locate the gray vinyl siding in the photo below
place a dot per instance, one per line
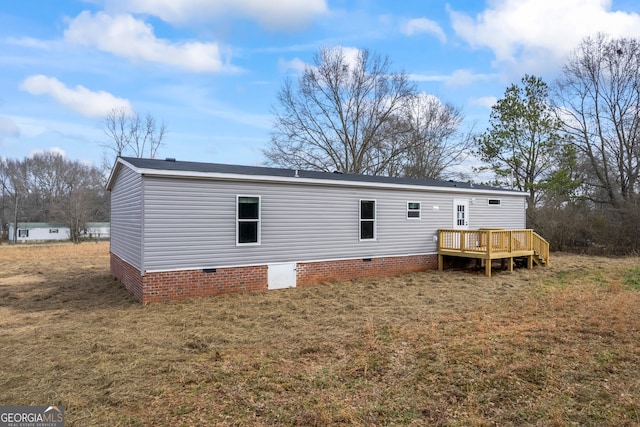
(511, 213)
(126, 217)
(191, 223)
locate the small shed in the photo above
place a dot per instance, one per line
(184, 229)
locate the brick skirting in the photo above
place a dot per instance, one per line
(175, 285)
(311, 273)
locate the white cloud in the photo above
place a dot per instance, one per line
(457, 78)
(281, 14)
(423, 25)
(350, 55)
(296, 64)
(484, 101)
(428, 77)
(79, 99)
(467, 77)
(8, 128)
(54, 150)
(126, 36)
(541, 32)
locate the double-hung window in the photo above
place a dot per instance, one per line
(367, 219)
(248, 220)
(413, 210)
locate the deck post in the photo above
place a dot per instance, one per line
(487, 267)
(440, 262)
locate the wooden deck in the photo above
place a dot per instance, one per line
(490, 244)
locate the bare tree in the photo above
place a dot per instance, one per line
(335, 118)
(432, 142)
(599, 95)
(131, 135)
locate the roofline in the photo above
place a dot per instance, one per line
(222, 176)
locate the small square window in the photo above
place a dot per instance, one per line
(413, 210)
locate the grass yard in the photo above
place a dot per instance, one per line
(555, 346)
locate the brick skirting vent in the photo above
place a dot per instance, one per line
(180, 284)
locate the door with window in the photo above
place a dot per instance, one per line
(460, 220)
(460, 214)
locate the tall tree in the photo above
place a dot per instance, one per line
(432, 143)
(599, 94)
(524, 142)
(131, 135)
(339, 115)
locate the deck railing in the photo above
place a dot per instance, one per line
(493, 243)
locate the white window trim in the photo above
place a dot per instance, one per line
(375, 220)
(259, 221)
(419, 210)
(494, 204)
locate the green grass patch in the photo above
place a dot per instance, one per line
(631, 279)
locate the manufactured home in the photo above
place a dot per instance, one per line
(54, 231)
(39, 232)
(184, 229)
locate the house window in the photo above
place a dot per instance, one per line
(53, 231)
(367, 219)
(23, 232)
(413, 210)
(248, 220)
(495, 202)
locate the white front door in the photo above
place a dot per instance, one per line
(460, 214)
(281, 276)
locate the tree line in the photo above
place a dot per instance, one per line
(47, 187)
(573, 145)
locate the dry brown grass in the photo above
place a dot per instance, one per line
(549, 346)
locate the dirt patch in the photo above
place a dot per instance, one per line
(547, 346)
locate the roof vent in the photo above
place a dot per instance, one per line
(170, 159)
(296, 174)
(337, 172)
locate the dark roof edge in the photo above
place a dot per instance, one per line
(171, 167)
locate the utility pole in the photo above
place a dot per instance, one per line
(15, 221)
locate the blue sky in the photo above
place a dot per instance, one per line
(211, 69)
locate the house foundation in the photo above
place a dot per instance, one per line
(180, 284)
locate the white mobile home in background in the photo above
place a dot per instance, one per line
(53, 231)
(39, 231)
